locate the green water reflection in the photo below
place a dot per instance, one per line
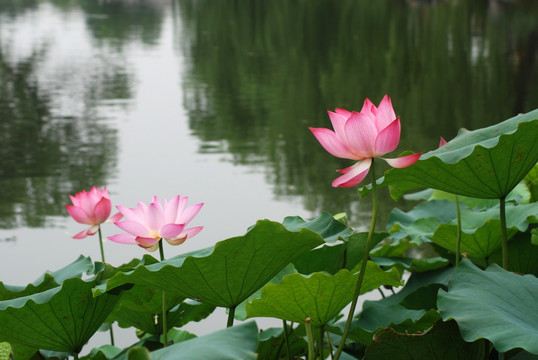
(121, 22)
(264, 71)
(258, 73)
(43, 157)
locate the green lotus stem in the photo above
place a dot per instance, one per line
(330, 345)
(103, 259)
(381, 292)
(161, 249)
(165, 321)
(101, 244)
(111, 335)
(502, 211)
(288, 352)
(310, 338)
(458, 236)
(164, 310)
(363, 264)
(320, 345)
(231, 314)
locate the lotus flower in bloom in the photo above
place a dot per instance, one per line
(147, 225)
(91, 208)
(362, 136)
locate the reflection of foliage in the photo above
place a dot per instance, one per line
(116, 85)
(119, 20)
(264, 71)
(42, 158)
(12, 8)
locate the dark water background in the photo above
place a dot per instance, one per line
(213, 99)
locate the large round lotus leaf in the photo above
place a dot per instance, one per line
(480, 240)
(60, 319)
(493, 304)
(141, 307)
(319, 296)
(272, 343)
(407, 306)
(480, 229)
(48, 280)
(103, 352)
(229, 273)
(442, 341)
(332, 258)
(522, 254)
(241, 309)
(237, 342)
(325, 224)
(485, 163)
(412, 265)
(531, 180)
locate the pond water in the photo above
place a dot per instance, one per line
(213, 99)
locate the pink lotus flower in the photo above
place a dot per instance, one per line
(372, 132)
(91, 208)
(147, 225)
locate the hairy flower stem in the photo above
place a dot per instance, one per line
(101, 244)
(231, 314)
(288, 352)
(164, 310)
(103, 259)
(502, 210)
(458, 239)
(310, 338)
(363, 264)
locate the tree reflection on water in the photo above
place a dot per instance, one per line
(257, 75)
(261, 72)
(44, 157)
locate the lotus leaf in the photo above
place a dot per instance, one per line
(506, 312)
(485, 163)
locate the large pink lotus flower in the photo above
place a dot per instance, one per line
(92, 208)
(372, 132)
(147, 225)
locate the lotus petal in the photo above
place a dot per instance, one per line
(387, 140)
(353, 175)
(385, 114)
(403, 161)
(330, 142)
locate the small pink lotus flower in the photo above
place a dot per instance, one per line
(147, 225)
(92, 208)
(372, 132)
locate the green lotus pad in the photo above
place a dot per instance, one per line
(237, 342)
(319, 296)
(60, 319)
(228, 273)
(485, 163)
(483, 305)
(442, 341)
